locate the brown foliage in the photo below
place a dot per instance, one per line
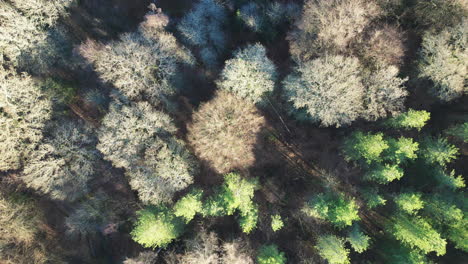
(329, 26)
(381, 45)
(224, 131)
(24, 236)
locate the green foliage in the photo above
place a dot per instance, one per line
(409, 120)
(60, 90)
(332, 249)
(396, 253)
(373, 198)
(269, 254)
(384, 174)
(459, 131)
(442, 212)
(276, 222)
(365, 147)
(238, 192)
(401, 150)
(358, 240)
(416, 232)
(248, 219)
(450, 180)
(409, 202)
(458, 234)
(250, 74)
(437, 151)
(235, 194)
(448, 217)
(156, 227)
(335, 208)
(189, 205)
(443, 60)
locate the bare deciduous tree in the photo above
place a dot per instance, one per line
(64, 163)
(139, 139)
(24, 109)
(224, 131)
(330, 25)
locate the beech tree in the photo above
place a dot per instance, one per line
(385, 93)
(203, 248)
(237, 252)
(326, 90)
(156, 227)
(443, 60)
(332, 249)
(24, 110)
(143, 65)
(207, 248)
(250, 74)
(436, 15)
(269, 254)
(31, 38)
(330, 26)
(335, 208)
(22, 239)
(141, 140)
(143, 257)
(43, 13)
(202, 27)
(380, 46)
(268, 17)
(335, 91)
(224, 130)
(63, 163)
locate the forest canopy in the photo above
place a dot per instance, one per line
(233, 131)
